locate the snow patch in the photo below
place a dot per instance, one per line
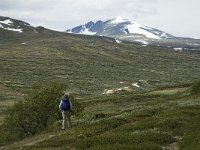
(12, 29)
(7, 21)
(196, 44)
(108, 91)
(163, 35)
(24, 43)
(178, 49)
(136, 85)
(86, 31)
(112, 91)
(70, 31)
(123, 89)
(141, 41)
(137, 29)
(118, 41)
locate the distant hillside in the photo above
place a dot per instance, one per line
(11, 28)
(10, 24)
(92, 64)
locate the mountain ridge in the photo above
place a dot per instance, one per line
(118, 29)
(124, 30)
(118, 26)
(11, 24)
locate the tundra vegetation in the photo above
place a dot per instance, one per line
(155, 103)
(126, 120)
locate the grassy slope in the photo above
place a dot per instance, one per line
(91, 64)
(162, 119)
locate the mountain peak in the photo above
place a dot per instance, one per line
(118, 19)
(10, 24)
(119, 27)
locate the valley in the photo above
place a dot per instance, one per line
(134, 96)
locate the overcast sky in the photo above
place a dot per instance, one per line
(177, 17)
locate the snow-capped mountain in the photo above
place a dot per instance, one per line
(117, 27)
(125, 30)
(90, 28)
(10, 24)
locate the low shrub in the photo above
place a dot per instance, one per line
(190, 141)
(143, 146)
(35, 113)
(99, 115)
(113, 138)
(195, 87)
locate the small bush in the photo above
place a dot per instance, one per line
(195, 87)
(126, 139)
(99, 115)
(35, 113)
(190, 141)
(175, 125)
(103, 126)
(143, 146)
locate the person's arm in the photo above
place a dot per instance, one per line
(60, 105)
(70, 103)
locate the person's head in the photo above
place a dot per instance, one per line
(66, 95)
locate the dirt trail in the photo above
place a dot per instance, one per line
(173, 146)
(32, 140)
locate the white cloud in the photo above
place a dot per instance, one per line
(174, 16)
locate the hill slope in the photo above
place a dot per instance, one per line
(125, 119)
(155, 121)
(90, 63)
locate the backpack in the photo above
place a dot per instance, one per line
(65, 104)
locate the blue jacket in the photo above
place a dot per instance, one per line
(64, 100)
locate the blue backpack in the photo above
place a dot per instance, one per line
(65, 104)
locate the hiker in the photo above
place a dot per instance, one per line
(65, 107)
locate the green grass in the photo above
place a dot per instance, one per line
(157, 122)
(139, 119)
(91, 64)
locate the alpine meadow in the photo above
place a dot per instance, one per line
(125, 95)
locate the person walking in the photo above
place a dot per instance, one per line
(65, 107)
